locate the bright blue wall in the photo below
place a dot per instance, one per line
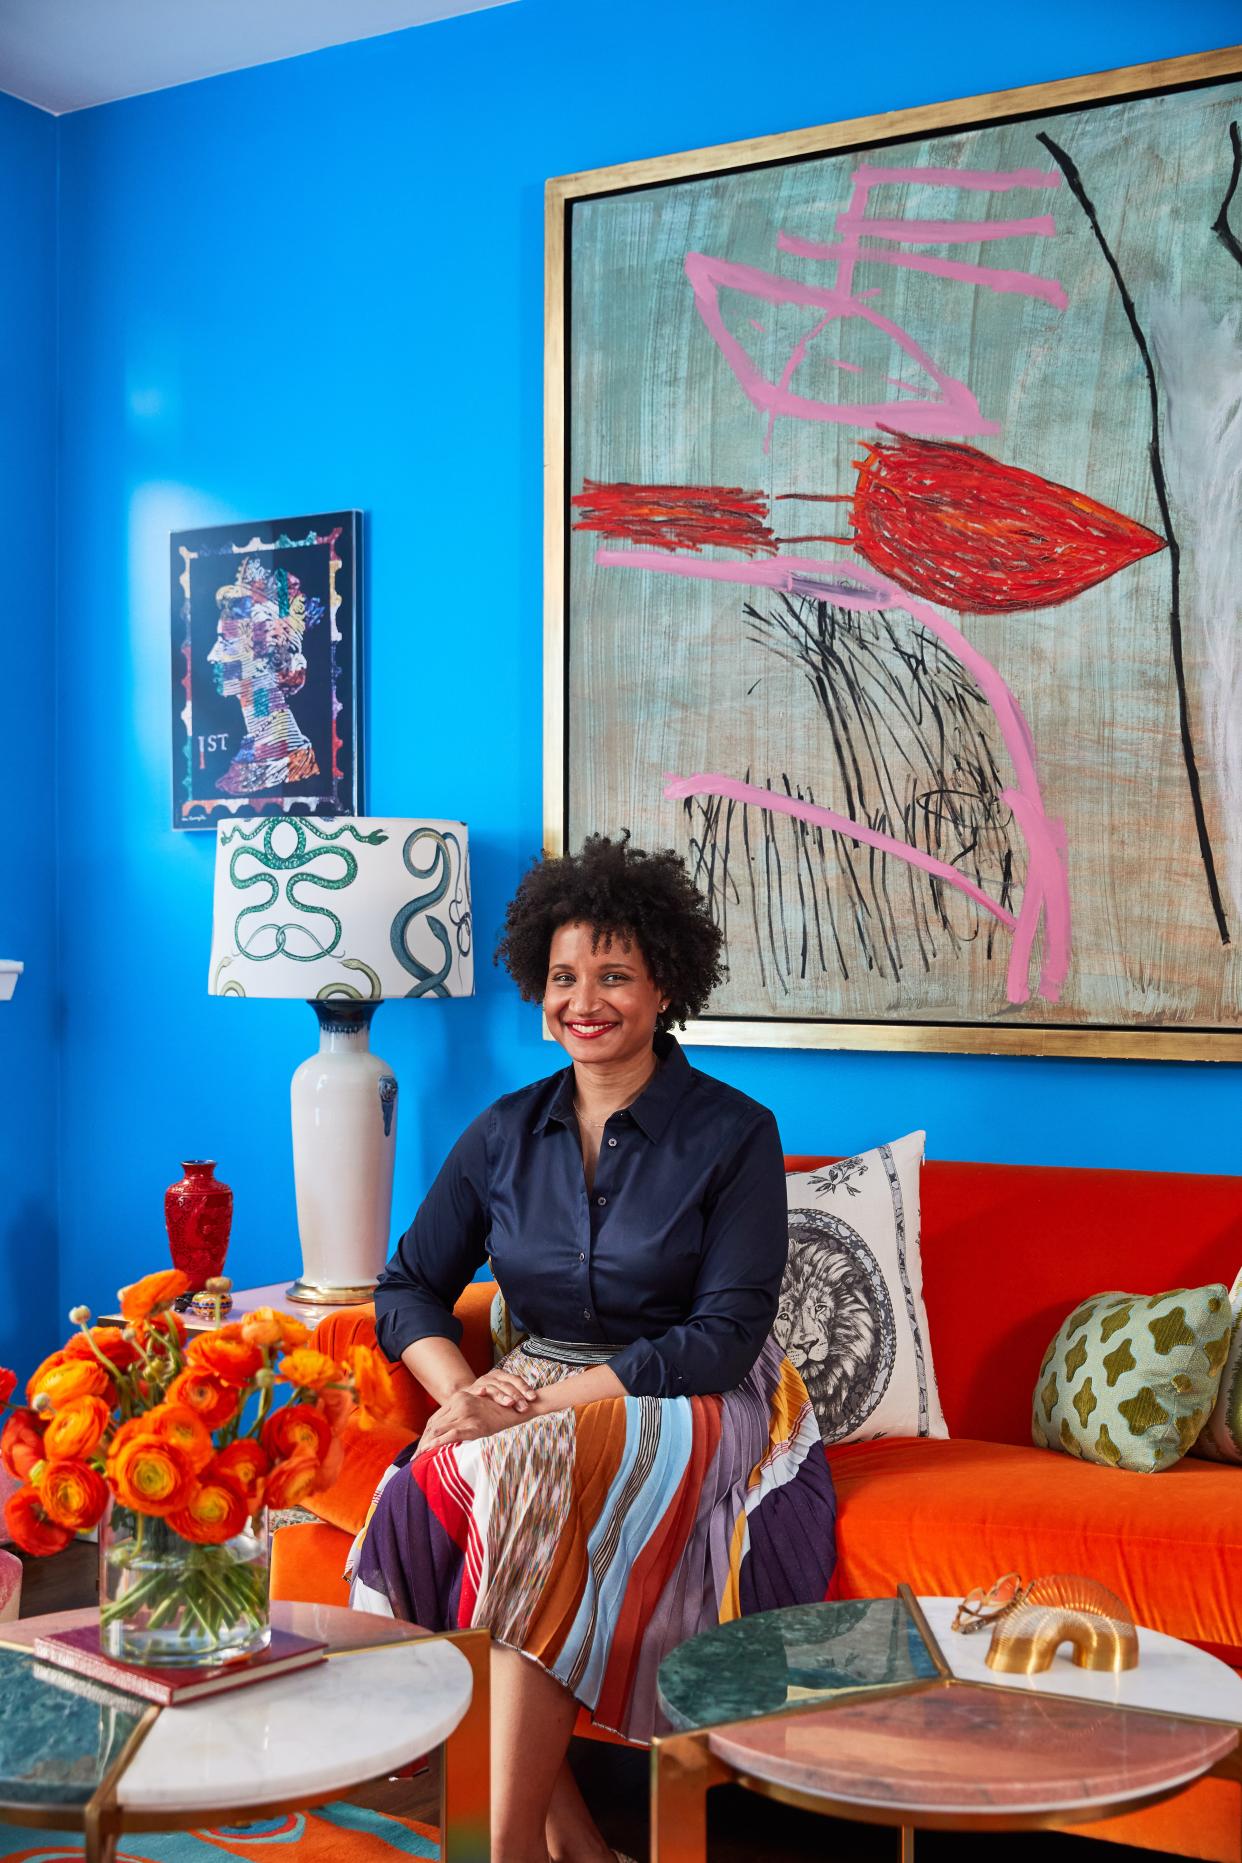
(28, 1023)
(318, 284)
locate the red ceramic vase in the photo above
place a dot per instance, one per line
(199, 1214)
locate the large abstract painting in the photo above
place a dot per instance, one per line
(266, 680)
(895, 561)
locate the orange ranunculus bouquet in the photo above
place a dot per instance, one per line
(175, 1444)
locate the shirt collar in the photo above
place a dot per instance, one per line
(653, 1108)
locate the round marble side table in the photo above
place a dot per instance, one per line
(387, 1694)
(857, 1710)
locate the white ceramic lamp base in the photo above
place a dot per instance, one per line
(344, 1104)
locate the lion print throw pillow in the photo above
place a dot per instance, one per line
(851, 1311)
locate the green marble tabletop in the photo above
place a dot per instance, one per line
(791, 1658)
(59, 1734)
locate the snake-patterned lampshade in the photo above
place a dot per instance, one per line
(358, 907)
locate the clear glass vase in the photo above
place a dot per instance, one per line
(163, 1599)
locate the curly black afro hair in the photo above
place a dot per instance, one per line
(627, 895)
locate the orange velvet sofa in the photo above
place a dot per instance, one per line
(1007, 1251)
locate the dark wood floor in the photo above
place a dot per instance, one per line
(741, 1829)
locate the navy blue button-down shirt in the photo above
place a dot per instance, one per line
(676, 1253)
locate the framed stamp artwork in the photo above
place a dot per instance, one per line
(893, 568)
(266, 669)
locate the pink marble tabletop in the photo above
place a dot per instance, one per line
(962, 1749)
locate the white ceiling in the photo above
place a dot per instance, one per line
(69, 54)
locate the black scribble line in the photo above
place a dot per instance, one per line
(766, 823)
(908, 738)
(781, 919)
(708, 857)
(1156, 460)
(727, 885)
(805, 832)
(806, 928)
(1005, 898)
(828, 891)
(1220, 225)
(754, 895)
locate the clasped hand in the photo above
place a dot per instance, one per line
(494, 1402)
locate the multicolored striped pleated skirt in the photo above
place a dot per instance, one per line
(596, 1540)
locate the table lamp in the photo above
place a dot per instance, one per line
(342, 912)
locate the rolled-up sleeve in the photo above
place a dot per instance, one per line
(439, 1253)
(745, 1242)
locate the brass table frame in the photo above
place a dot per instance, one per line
(465, 1777)
(684, 1770)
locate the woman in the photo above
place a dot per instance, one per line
(646, 1464)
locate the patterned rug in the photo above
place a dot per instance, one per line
(335, 1833)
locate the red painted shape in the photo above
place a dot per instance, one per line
(678, 517)
(973, 534)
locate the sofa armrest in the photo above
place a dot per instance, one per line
(308, 1564)
(351, 1326)
(368, 1452)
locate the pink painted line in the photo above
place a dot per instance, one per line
(782, 572)
(995, 278)
(946, 232)
(797, 356)
(1047, 881)
(982, 180)
(954, 411)
(678, 787)
(1045, 895)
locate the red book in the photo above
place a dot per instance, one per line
(167, 1685)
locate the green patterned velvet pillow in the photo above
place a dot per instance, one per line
(1221, 1438)
(1130, 1381)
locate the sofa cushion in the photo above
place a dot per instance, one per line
(1130, 1381)
(946, 1515)
(851, 1314)
(369, 1452)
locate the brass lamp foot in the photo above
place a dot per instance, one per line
(309, 1294)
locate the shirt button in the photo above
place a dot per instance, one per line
(582, 1257)
(611, 1143)
(601, 1201)
(586, 1313)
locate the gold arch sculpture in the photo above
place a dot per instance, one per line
(1058, 1610)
